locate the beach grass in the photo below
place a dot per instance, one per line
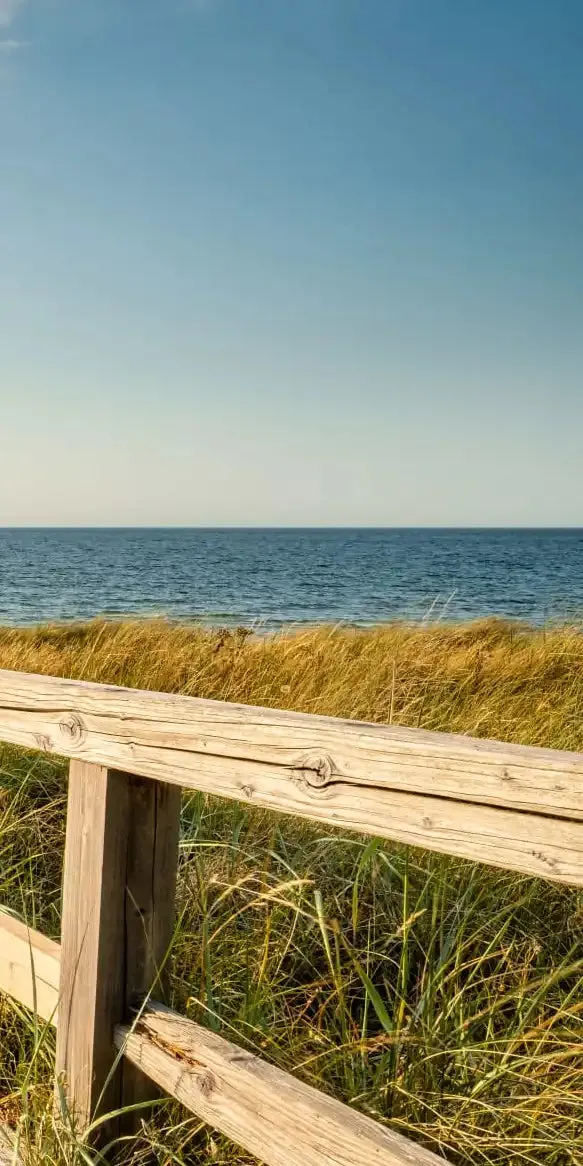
(440, 997)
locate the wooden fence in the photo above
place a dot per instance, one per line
(131, 753)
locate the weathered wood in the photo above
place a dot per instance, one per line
(152, 863)
(29, 967)
(92, 986)
(151, 733)
(507, 805)
(268, 1112)
(118, 912)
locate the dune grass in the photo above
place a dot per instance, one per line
(442, 998)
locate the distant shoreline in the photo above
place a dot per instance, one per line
(261, 629)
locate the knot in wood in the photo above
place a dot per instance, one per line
(73, 729)
(206, 1083)
(320, 769)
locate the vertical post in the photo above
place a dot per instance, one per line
(117, 920)
(152, 863)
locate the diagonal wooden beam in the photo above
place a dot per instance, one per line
(277, 1118)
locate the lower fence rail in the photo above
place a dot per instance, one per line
(279, 1119)
(267, 1111)
(29, 967)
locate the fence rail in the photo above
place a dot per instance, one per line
(29, 967)
(511, 806)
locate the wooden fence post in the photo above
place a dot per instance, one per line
(118, 915)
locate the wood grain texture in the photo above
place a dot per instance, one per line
(92, 984)
(507, 805)
(151, 869)
(112, 725)
(268, 1112)
(29, 967)
(121, 857)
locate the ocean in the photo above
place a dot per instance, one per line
(269, 578)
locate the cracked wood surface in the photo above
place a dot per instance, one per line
(267, 1111)
(508, 805)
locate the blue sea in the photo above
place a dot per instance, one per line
(269, 578)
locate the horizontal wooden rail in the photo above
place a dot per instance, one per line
(267, 1111)
(29, 967)
(511, 806)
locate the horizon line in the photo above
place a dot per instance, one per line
(286, 526)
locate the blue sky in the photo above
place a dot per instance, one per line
(291, 262)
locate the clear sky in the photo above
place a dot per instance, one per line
(291, 262)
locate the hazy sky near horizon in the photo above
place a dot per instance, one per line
(291, 262)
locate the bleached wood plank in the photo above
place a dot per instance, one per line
(507, 805)
(267, 1111)
(133, 729)
(29, 967)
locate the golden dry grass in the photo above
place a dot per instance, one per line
(488, 679)
(443, 998)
